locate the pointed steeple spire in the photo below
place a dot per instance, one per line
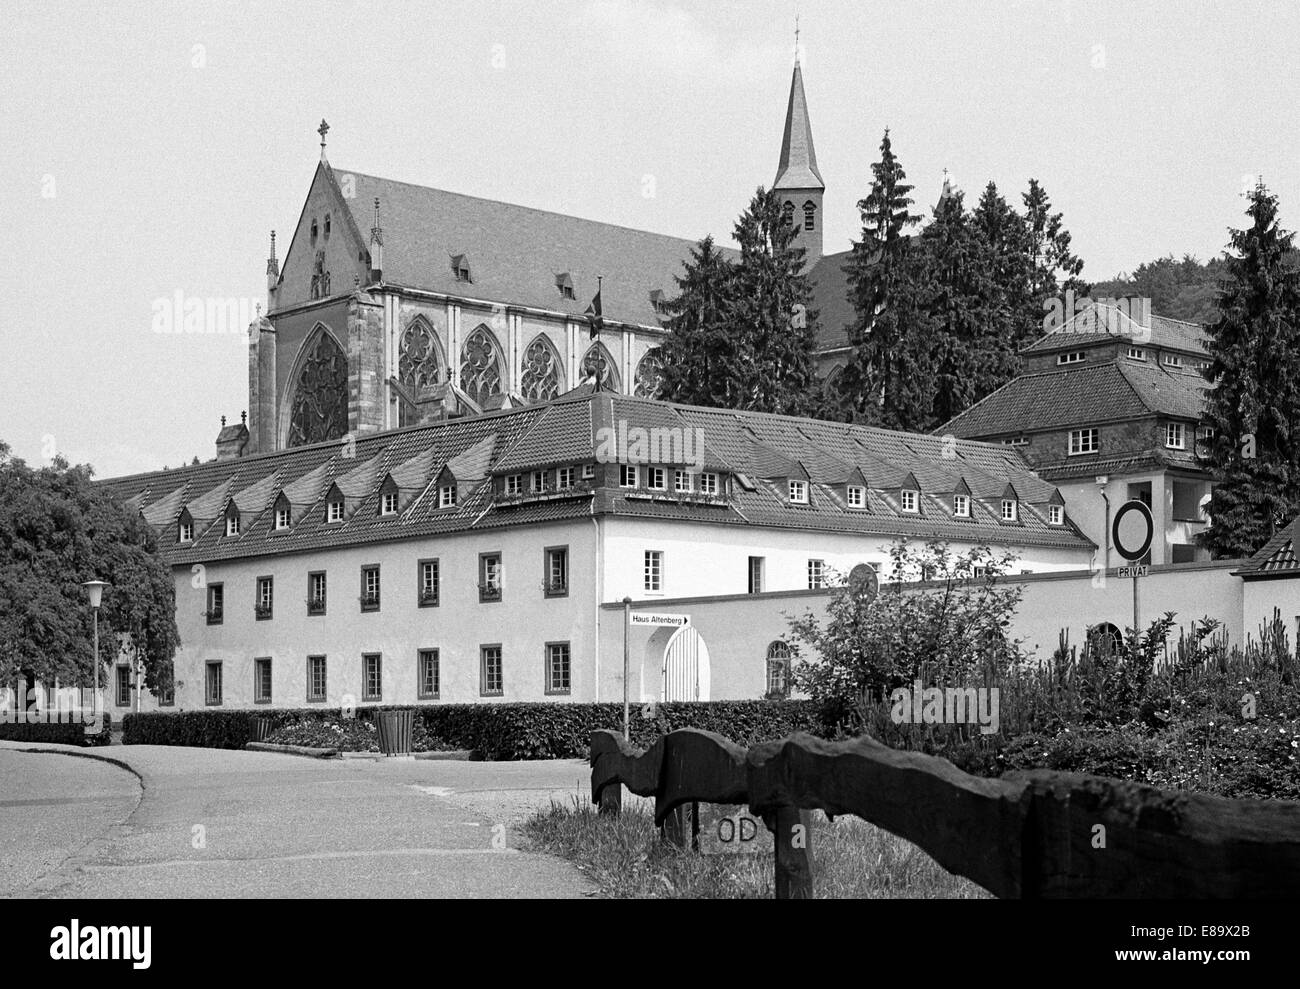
(798, 165)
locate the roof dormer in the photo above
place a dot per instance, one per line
(564, 282)
(460, 267)
(232, 518)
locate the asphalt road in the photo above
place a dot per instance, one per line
(214, 823)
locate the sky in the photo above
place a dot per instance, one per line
(150, 148)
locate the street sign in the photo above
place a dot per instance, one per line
(1132, 530)
(1132, 571)
(658, 618)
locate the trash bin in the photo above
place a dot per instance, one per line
(261, 728)
(395, 732)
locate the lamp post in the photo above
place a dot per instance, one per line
(94, 593)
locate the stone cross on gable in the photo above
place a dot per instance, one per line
(322, 130)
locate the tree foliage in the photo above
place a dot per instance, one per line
(1254, 403)
(57, 529)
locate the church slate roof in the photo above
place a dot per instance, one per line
(566, 430)
(517, 251)
(1080, 395)
(797, 168)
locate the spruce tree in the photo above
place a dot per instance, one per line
(771, 314)
(1003, 230)
(1054, 269)
(876, 385)
(701, 361)
(1254, 402)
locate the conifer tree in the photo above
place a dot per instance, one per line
(1054, 269)
(1003, 230)
(701, 361)
(1254, 402)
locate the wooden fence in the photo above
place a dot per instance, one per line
(1038, 834)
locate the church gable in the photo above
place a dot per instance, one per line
(327, 250)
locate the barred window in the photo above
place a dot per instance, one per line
(558, 671)
(491, 675)
(427, 665)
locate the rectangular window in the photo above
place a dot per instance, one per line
(265, 598)
(1204, 434)
(1174, 435)
(1074, 357)
(910, 500)
(212, 684)
(1015, 441)
(961, 506)
(370, 588)
(315, 678)
(558, 671)
(216, 603)
(1137, 354)
(1055, 514)
(588, 472)
(683, 480)
(816, 574)
(489, 577)
(654, 570)
(232, 525)
(1010, 510)
(491, 676)
(187, 532)
(799, 492)
(316, 592)
(372, 677)
(756, 566)
(515, 485)
(261, 681)
(123, 686)
(563, 478)
(447, 496)
(658, 479)
(538, 480)
(388, 503)
(857, 496)
(428, 675)
(627, 476)
(282, 518)
(335, 511)
(1173, 360)
(556, 564)
(709, 484)
(1083, 441)
(428, 579)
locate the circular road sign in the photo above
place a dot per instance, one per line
(1132, 530)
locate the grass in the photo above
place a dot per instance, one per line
(626, 859)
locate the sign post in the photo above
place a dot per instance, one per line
(1132, 531)
(627, 624)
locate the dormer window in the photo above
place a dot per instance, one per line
(185, 532)
(460, 267)
(1073, 357)
(1010, 510)
(857, 496)
(1137, 354)
(658, 479)
(565, 284)
(1172, 360)
(961, 506)
(659, 301)
(910, 500)
(627, 476)
(798, 492)
(447, 496)
(810, 215)
(282, 517)
(388, 503)
(588, 472)
(683, 480)
(563, 478)
(1174, 435)
(334, 510)
(538, 481)
(709, 484)
(515, 485)
(1056, 514)
(232, 524)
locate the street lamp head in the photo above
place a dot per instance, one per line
(94, 591)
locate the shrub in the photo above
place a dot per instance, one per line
(62, 733)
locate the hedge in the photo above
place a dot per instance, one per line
(501, 731)
(61, 732)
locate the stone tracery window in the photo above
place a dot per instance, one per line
(418, 365)
(649, 374)
(541, 373)
(601, 365)
(320, 400)
(480, 371)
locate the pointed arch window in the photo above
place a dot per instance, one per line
(787, 213)
(320, 399)
(649, 374)
(600, 365)
(480, 369)
(810, 215)
(541, 375)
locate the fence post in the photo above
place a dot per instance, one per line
(792, 838)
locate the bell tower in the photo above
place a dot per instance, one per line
(798, 182)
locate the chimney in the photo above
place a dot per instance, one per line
(232, 440)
